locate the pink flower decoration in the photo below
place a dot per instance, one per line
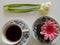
(49, 30)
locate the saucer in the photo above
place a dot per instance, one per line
(26, 35)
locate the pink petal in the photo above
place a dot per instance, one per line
(45, 37)
(46, 24)
(46, 34)
(44, 31)
(55, 33)
(50, 37)
(49, 22)
(55, 25)
(41, 33)
(57, 29)
(44, 27)
(54, 22)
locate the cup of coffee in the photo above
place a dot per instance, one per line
(12, 33)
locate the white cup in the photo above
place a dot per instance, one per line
(4, 29)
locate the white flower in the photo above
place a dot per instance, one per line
(45, 8)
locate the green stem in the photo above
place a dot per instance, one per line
(18, 5)
(10, 8)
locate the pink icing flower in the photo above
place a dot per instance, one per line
(49, 30)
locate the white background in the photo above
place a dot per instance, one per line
(29, 17)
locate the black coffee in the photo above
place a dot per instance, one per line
(13, 33)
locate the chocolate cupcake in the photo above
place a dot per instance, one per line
(46, 29)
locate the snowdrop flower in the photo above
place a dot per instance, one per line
(45, 8)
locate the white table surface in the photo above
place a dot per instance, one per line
(30, 17)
